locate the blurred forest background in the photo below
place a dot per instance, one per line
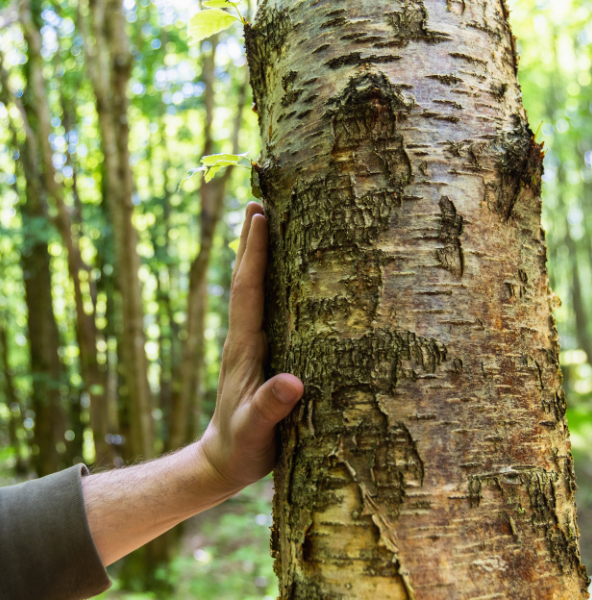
(115, 272)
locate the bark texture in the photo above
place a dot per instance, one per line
(430, 457)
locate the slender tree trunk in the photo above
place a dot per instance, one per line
(187, 403)
(11, 399)
(578, 302)
(109, 67)
(169, 331)
(46, 367)
(429, 458)
(94, 381)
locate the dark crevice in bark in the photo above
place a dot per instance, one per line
(446, 79)
(456, 6)
(451, 228)
(520, 169)
(356, 58)
(498, 90)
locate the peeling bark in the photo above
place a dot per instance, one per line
(429, 458)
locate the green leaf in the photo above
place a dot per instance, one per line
(225, 160)
(211, 172)
(214, 162)
(234, 245)
(220, 3)
(208, 22)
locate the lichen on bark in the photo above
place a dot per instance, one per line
(407, 288)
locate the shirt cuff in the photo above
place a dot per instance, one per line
(46, 548)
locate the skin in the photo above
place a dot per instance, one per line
(126, 508)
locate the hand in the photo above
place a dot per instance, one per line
(240, 441)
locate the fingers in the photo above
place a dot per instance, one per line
(252, 209)
(273, 401)
(246, 302)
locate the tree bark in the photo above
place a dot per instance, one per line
(109, 66)
(430, 457)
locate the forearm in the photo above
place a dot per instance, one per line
(128, 507)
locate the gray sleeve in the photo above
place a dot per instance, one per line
(46, 549)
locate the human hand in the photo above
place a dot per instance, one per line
(240, 441)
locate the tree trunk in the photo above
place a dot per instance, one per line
(94, 381)
(15, 418)
(429, 458)
(109, 66)
(578, 302)
(44, 341)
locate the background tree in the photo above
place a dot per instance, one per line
(430, 457)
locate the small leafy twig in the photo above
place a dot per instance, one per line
(213, 163)
(208, 22)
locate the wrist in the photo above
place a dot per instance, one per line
(210, 476)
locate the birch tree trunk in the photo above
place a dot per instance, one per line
(430, 457)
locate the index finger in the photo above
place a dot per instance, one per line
(253, 208)
(247, 296)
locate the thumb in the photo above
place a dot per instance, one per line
(275, 399)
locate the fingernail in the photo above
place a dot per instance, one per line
(284, 392)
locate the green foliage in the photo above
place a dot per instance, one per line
(209, 22)
(213, 163)
(221, 3)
